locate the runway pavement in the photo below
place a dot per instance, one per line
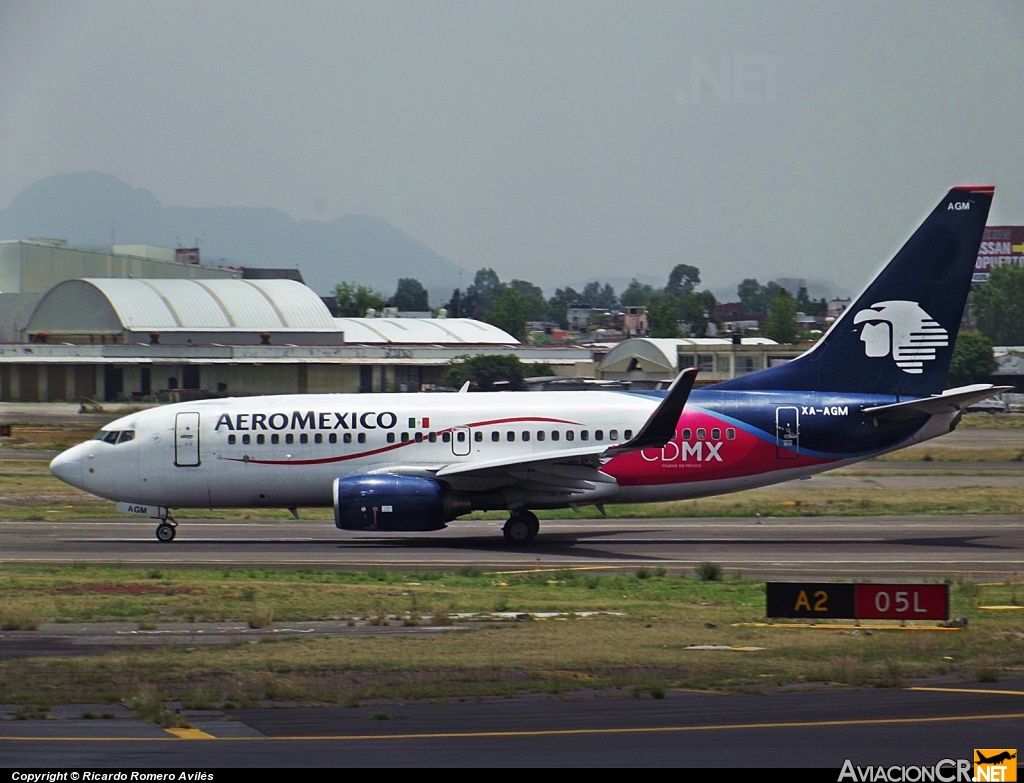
(898, 547)
(901, 726)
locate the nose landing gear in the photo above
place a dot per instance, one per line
(166, 530)
(521, 528)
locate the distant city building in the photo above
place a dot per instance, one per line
(578, 315)
(836, 307)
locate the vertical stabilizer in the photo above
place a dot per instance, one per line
(897, 338)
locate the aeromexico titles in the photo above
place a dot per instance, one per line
(413, 462)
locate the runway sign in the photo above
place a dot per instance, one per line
(857, 601)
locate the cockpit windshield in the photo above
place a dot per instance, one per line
(115, 436)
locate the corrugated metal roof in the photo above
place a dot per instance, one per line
(225, 306)
(422, 330)
(137, 305)
(191, 304)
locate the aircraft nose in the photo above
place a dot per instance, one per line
(67, 466)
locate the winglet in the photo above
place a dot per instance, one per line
(660, 428)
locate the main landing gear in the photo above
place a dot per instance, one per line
(166, 530)
(521, 528)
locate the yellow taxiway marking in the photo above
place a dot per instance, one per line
(966, 690)
(190, 734)
(554, 732)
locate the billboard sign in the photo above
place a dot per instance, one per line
(999, 245)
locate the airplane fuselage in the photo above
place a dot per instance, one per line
(286, 451)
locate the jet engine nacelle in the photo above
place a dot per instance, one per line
(394, 503)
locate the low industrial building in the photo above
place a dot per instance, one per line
(115, 339)
(30, 267)
(645, 361)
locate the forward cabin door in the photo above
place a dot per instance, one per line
(186, 440)
(787, 432)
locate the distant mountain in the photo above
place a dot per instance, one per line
(85, 208)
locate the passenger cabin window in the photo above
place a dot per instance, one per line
(510, 436)
(391, 437)
(405, 437)
(419, 437)
(730, 433)
(460, 437)
(231, 440)
(303, 438)
(333, 437)
(701, 433)
(687, 433)
(432, 437)
(526, 435)
(495, 436)
(554, 435)
(584, 435)
(246, 440)
(613, 434)
(598, 434)
(570, 435)
(289, 438)
(361, 437)
(540, 435)
(261, 439)
(627, 434)
(318, 438)
(446, 437)
(275, 438)
(716, 434)
(478, 436)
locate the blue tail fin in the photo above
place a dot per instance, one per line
(898, 337)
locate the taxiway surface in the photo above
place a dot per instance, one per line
(905, 726)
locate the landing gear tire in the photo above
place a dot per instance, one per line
(165, 532)
(521, 528)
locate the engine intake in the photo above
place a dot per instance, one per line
(394, 503)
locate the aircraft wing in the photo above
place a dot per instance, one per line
(949, 401)
(577, 471)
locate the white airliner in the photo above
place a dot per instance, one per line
(414, 462)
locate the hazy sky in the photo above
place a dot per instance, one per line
(553, 141)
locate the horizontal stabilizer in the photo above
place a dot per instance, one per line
(947, 402)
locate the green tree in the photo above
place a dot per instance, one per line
(411, 296)
(485, 372)
(663, 318)
(601, 297)
(534, 297)
(973, 360)
(510, 311)
(637, 294)
(999, 305)
(480, 296)
(781, 325)
(682, 279)
(695, 310)
(354, 300)
(756, 299)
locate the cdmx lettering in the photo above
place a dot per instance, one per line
(673, 451)
(308, 420)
